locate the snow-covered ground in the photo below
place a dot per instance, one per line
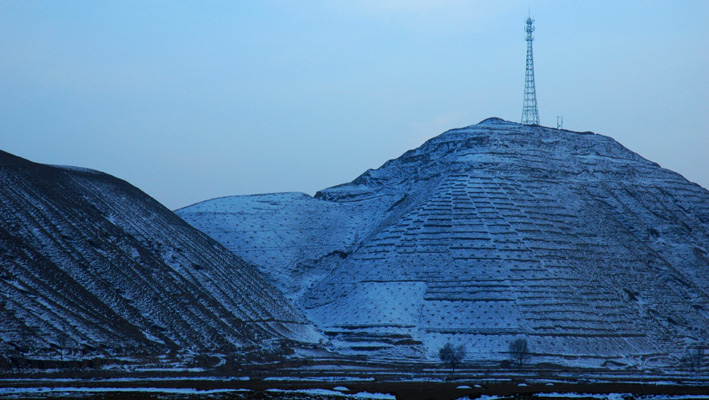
(90, 392)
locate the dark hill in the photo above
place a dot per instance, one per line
(92, 266)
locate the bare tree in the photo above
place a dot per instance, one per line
(62, 341)
(694, 359)
(698, 358)
(519, 351)
(451, 356)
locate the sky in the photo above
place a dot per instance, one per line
(194, 100)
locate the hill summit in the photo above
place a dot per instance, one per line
(487, 234)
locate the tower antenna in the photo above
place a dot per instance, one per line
(530, 114)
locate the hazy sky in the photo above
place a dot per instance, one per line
(195, 100)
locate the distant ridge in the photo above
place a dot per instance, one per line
(488, 233)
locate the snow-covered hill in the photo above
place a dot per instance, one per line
(91, 266)
(485, 234)
(287, 234)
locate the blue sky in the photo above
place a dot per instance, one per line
(195, 100)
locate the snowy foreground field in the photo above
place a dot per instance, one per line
(358, 386)
(339, 392)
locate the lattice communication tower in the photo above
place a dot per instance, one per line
(530, 115)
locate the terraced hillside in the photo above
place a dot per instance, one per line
(486, 234)
(288, 234)
(91, 266)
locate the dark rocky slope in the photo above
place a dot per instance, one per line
(92, 266)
